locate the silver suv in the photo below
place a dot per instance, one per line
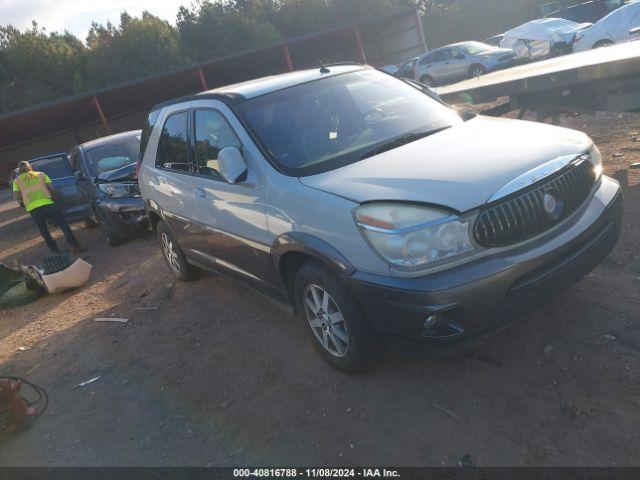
(373, 209)
(460, 61)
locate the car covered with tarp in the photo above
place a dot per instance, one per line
(543, 38)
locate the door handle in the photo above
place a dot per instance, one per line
(200, 193)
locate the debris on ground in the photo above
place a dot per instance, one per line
(69, 276)
(111, 319)
(16, 288)
(548, 349)
(610, 337)
(634, 166)
(88, 382)
(17, 411)
(578, 413)
(447, 411)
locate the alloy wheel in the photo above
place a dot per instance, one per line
(170, 252)
(326, 320)
(477, 72)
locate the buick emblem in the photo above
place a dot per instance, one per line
(553, 207)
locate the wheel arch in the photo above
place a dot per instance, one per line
(602, 42)
(291, 251)
(154, 213)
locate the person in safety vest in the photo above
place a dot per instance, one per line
(33, 190)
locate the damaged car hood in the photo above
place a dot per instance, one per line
(128, 172)
(460, 168)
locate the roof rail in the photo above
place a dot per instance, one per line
(341, 64)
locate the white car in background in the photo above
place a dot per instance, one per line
(619, 26)
(543, 38)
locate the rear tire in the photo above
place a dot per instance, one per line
(336, 324)
(427, 80)
(173, 256)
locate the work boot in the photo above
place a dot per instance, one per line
(77, 248)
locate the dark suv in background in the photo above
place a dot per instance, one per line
(106, 171)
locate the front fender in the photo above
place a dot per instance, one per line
(312, 246)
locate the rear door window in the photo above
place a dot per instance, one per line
(173, 148)
(152, 118)
(56, 167)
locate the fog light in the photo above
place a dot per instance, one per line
(431, 322)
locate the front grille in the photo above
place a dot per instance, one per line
(523, 216)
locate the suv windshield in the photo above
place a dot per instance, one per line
(322, 125)
(114, 155)
(474, 48)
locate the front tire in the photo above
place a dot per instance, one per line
(477, 71)
(173, 256)
(336, 323)
(111, 238)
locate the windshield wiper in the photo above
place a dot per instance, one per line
(400, 141)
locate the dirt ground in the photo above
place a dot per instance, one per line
(216, 375)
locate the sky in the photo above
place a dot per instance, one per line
(77, 15)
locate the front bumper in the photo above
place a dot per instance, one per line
(125, 215)
(486, 294)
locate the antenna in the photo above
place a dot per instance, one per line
(323, 69)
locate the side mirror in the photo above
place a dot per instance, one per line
(232, 165)
(79, 175)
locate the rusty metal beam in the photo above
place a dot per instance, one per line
(103, 118)
(203, 79)
(356, 31)
(287, 57)
(423, 39)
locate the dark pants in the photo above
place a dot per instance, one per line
(51, 212)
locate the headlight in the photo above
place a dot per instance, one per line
(409, 236)
(116, 189)
(595, 157)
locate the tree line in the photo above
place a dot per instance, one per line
(38, 66)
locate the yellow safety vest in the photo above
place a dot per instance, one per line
(33, 188)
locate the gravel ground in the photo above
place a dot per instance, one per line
(216, 375)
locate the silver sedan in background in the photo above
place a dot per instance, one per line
(460, 61)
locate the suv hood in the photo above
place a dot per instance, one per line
(128, 172)
(460, 168)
